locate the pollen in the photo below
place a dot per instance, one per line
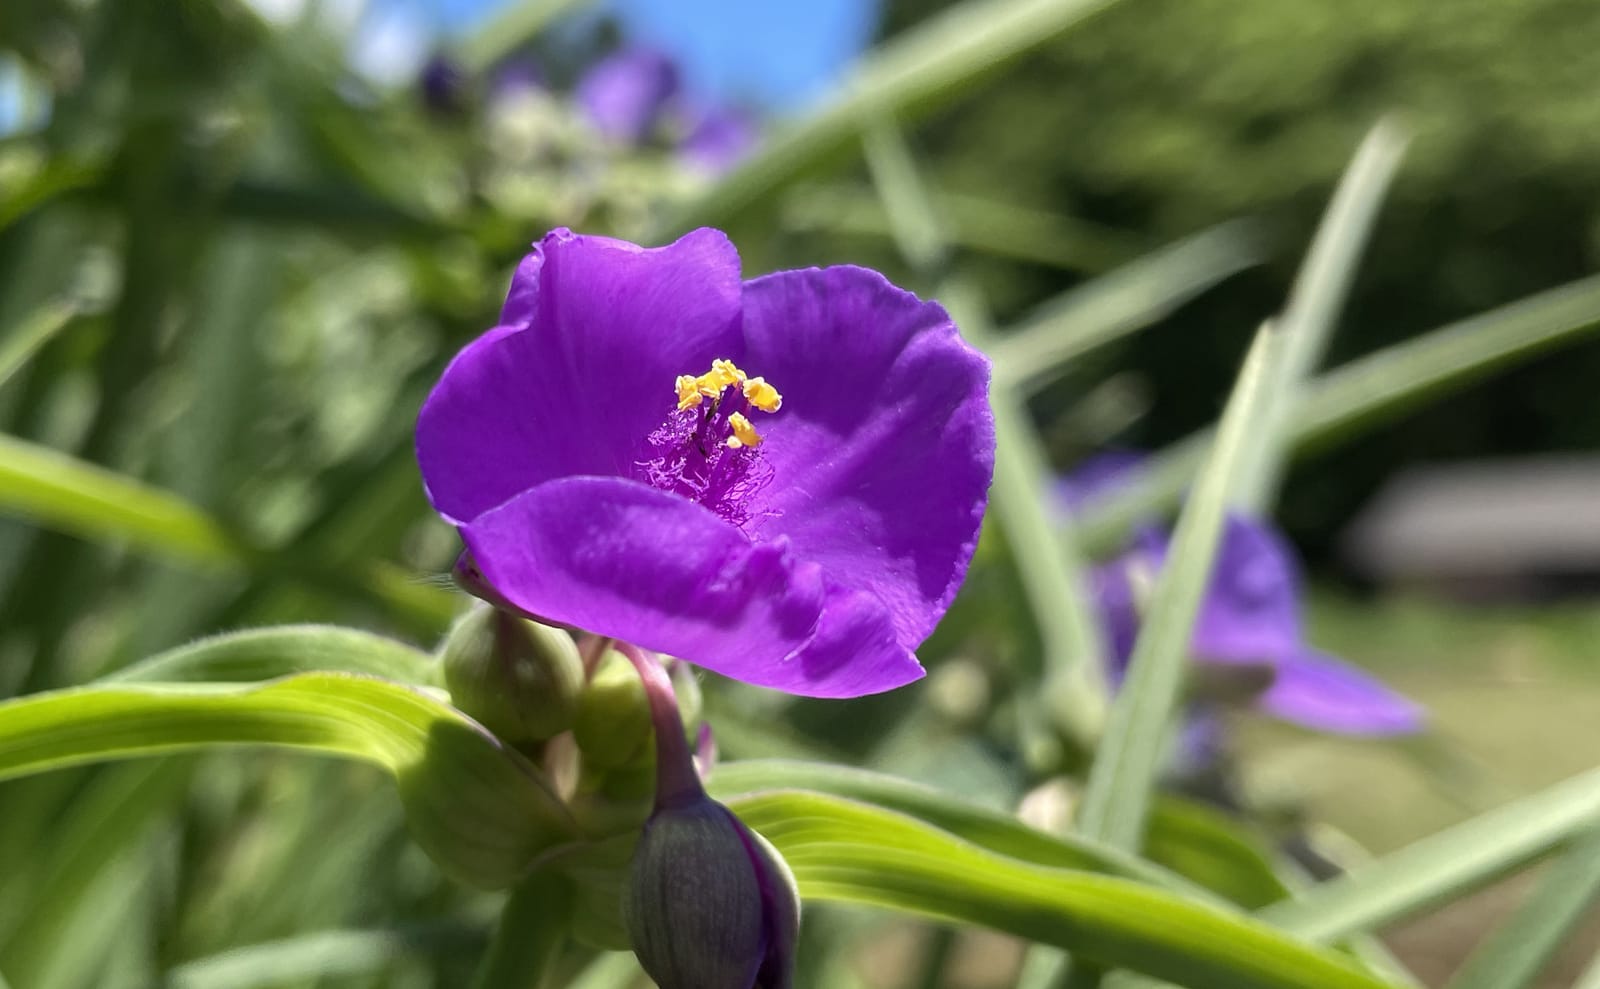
(744, 434)
(688, 387)
(762, 395)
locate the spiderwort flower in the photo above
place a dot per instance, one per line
(780, 480)
(1250, 617)
(624, 94)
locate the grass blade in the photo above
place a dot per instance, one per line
(1119, 303)
(1365, 391)
(64, 493)
(1319, 292)
(1117, 796)
(37, 330)
(1443, 865)
(322, 955)
(1514, 955)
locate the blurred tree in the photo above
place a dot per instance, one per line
(1160, 116)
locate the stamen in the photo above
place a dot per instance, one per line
(688, 387)
(762, 395)
(744, 434)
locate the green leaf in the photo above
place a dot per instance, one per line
(1123, 777)
(1442, 866)
(37, 330)
(64, 493)
(321, 955)
(1120, 302)
(1514, 955)
(479, 809)
(1192, 842)
(1319, 292)
(1363, 392)
(878, 858)
(61, 492)
(977, 223)
(282, 650)
(937, 58)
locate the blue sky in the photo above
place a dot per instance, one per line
(776, 53)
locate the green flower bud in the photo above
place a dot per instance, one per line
(519, 679)
(709, 904)
(613, 727)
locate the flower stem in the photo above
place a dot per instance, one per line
(528, 940)
(677, 782)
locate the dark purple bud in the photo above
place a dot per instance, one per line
(443, 84)
(709, 904)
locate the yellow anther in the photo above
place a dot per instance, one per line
(762, 395)
(688, 387)
(726, 372)
(744, 434)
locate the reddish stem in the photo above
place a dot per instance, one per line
(677, 783)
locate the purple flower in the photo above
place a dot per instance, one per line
(780, 480)
(1250, 615)
(718, 139)
(624, 94)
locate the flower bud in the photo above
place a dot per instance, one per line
(709, 904)
(613, 727)
(519, 679)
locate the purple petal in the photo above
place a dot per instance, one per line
(621, 559)
(623, 95)
(1321, 692)
(1251, 609)
(884, 448)
(596, 331)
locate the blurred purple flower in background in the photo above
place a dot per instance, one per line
(802, 527)
(718, 138)
(623, 95)
(1249, 616)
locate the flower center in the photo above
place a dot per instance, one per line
(706, 449)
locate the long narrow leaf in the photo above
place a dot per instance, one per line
(321, 955)
(1117, 797)
(58, 491)
(480, 810)
(33, 333)
(1518, 951)
(1120, 302)
(1366, 391)
(1444, 865)
(283, 650)
(1319, 292)
(889, 861)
